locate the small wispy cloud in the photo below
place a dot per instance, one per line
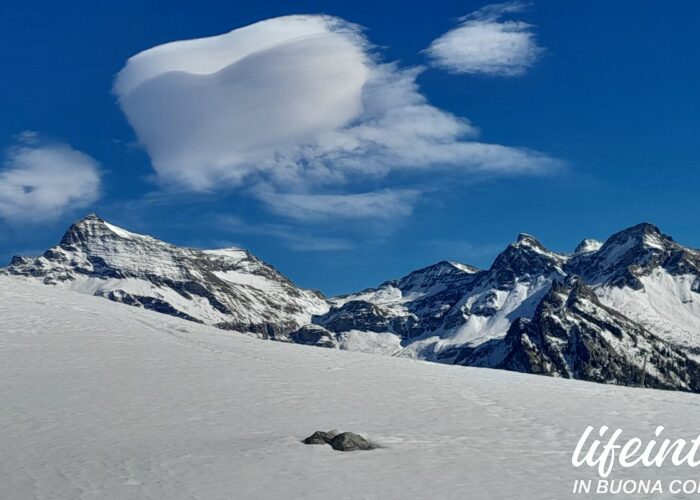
(293, 238)
(385, 205)
(462, 250)
(486, 43)
(42, 180)
(300, 243)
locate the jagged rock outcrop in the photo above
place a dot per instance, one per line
(314, 335)
(366, 316)
(573, 335)
(632, 253)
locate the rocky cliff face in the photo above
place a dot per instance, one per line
(623, 311)
(629, 255)
(573, 335)
(596, 314)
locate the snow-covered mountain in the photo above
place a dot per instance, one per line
(596, 314)
(650, 278)
(228, 288)
(573, 335)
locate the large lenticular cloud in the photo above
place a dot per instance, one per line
(205, 109)
(297, 105)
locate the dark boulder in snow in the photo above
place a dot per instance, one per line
(320, 437)
(349, 441)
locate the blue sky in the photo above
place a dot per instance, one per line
(609, 102)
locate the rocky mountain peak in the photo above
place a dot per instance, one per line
(444, 272)
(93, 227)
(445, 267)
(527, 256)
(628, 254)
(642, 228)
(526, 239)
(92, 216)
(229, 288)
(573, 335)
(588, 246)
(642, 235)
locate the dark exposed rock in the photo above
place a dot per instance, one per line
(279, 330)
(365, 316)
(573, 335)
(526, 257)
(18, 260)
(314, 335)
(348, 441)
(150, 303)
(320, 437)
(631, 253)
(345, 441)
(355, 315)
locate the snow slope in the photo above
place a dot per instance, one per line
(102, 401)
(665, 304)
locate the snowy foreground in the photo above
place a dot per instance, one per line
(102, 400)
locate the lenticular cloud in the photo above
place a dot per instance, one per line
(215, 107)
(296, 104)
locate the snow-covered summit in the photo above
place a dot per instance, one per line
(528, 240)
(588, 245)
(91, 228)
(527, 256)
(631, 253)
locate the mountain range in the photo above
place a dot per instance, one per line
(625, 311)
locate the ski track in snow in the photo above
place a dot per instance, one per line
(106, 401)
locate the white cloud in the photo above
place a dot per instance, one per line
(303, 106)
(293, 238)
(212, 109)
(386, 204)
(42, 181)
(485, 43)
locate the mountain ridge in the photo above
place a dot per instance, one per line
(229, 288)
(643, 287)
